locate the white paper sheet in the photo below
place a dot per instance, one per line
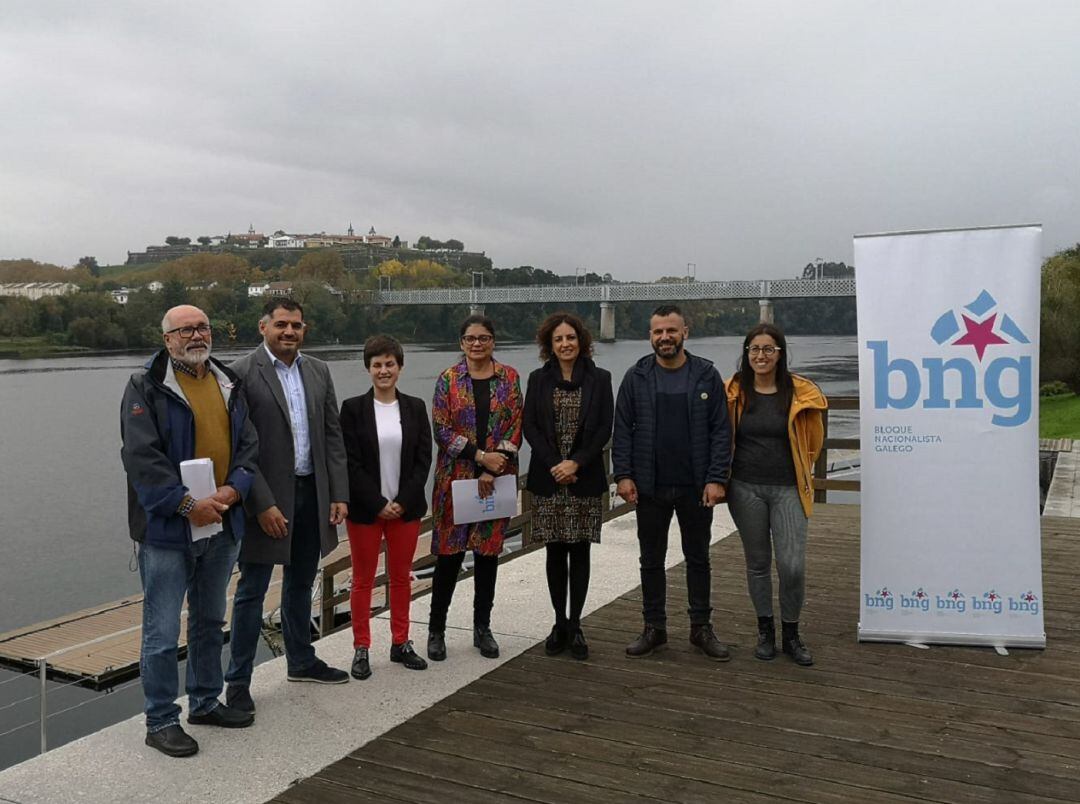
(469, 506)
(198, 476)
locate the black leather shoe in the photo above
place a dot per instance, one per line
(406, 656)
(172, 741)
(794, 648)
(361, 668)
(579, 648)
(320, 673)
(766, 641)
(556, 641)
(239, 698)
(224, 716)
(436, 646)
(651, 639)
(704, 639)
(483, 639)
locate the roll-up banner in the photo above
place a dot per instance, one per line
(949, 422)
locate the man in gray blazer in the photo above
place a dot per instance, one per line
(298, 498)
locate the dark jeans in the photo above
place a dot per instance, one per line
(695, 524)
(447, 569)
(298, 577)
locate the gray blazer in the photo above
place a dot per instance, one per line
(275, 481)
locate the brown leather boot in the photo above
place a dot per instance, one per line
(651, 639)
(704, 639)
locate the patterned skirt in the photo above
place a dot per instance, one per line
(562, 517)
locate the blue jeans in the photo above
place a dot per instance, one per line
(298, 577)
(202, 572)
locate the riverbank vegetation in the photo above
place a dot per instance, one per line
(1059, 343)
(337, 301)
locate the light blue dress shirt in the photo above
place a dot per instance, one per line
(292, 384)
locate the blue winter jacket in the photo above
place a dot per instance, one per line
(158, 432)
(633, 446)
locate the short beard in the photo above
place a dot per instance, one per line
(678, 348)
(192, 360)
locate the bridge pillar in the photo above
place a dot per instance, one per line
(476, 309)
(607, 322)
(767, 316)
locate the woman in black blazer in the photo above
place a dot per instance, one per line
(388, 444)
(569, 410)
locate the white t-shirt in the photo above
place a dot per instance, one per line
(388, 426)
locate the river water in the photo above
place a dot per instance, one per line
(63, 529)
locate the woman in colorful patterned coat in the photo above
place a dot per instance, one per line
(476, 418)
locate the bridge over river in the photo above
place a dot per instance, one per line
(764, 290)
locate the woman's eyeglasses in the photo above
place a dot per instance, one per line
(768, 351)
(481, 339)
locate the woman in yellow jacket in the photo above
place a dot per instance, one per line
(776, 421)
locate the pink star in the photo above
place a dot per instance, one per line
(979, 335)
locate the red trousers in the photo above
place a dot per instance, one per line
(364, 543)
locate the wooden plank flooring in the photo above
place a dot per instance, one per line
(114, 631)
(867, 723)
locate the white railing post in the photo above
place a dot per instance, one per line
(43, 703)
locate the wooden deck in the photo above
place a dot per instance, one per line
(867, 723)
(100, 645)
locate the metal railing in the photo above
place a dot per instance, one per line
(628, 292)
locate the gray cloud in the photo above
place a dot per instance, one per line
(624, 137)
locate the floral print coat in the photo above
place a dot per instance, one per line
(453, 417)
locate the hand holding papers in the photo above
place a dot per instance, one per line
(469, 506)
(198, 476)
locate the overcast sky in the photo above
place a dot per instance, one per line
(747, 138)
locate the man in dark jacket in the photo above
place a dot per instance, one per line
(185, 405)
(299, 497)
(670, 453)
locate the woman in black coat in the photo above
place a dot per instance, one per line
(388, 445)
(569, 408)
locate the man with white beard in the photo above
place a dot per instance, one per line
(185, 405)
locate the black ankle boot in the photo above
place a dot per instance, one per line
(556, 641)
(579, 648)
(792, 645)
(766, 639)
(485, 641)
(436, 646)
(361, 666)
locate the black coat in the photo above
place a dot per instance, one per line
(633, 448)
(362, 450)
(593, 430)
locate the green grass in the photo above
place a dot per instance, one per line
(1059, 417)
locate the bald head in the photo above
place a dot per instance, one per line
(179, 310)
(183, 339)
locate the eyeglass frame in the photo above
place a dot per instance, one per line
(768, 351)
(209, 330)
(483, 340)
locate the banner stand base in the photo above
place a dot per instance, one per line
(1035, 641)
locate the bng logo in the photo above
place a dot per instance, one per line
(1002, 383)
(881, 599)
